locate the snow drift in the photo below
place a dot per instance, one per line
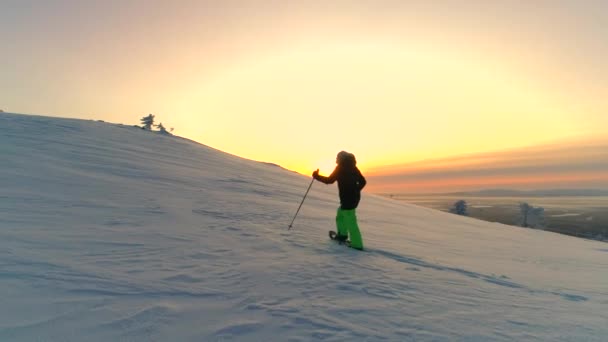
(109, 232)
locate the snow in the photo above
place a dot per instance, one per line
(109, 232)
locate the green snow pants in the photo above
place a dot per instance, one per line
(346, 221)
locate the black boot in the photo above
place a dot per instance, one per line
(341, 238)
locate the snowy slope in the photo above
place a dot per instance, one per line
(108, 232)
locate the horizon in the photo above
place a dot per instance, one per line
(491, 192)
(429, 97)
(401, 179)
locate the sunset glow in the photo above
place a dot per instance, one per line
(580, 165)
(583, 180)
(361, 97)
(394, 83)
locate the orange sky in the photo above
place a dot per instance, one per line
(580, 164)
(582, 180)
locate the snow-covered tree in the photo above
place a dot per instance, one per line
(460, 208)
(531, 217)
(148, 121)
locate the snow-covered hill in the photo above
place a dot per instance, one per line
(112, 233)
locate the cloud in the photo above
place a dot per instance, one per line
(579, 164)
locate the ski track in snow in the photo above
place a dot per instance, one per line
(493, 279)
(108, 232)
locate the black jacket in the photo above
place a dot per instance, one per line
(350, 182)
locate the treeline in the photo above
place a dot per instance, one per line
(529, 216)
(148, 122)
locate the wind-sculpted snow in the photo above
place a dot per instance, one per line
(109, 232)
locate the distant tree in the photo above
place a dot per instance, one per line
(531, 217)
(524, 209)
(162, 129)
(460, 208)
(148, 121)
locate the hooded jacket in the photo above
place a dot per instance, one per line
(350, 182)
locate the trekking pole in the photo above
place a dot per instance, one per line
(294, 218)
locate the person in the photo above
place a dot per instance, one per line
(350, 183)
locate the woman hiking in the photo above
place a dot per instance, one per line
(350, 183)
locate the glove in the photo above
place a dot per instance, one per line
(315, 174)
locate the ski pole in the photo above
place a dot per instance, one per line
(294, 218)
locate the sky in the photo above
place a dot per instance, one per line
(397, 83)
(578, 166)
